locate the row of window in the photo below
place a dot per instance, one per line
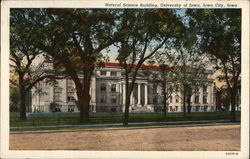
(112, 73)
(196, 99)
(104, 87)
(176, 89)
(107, 109)
(58, 108)
(103, 99)
(195, 108)
(58, 96)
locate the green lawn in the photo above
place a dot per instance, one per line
(100, 118)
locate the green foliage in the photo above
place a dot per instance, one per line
(78, 34)
(219, 34)
(146, 32)
(14, 99)
(25, 31)
(74, 39)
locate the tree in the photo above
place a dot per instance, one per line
(147, 31)
(219, 36)
(163, 77)
(23, 54)
(14, 98)
(75, 38)
(189, 73)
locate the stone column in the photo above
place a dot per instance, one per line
(120, 93)
(139, 94)
(146, 94)
(212, 95)
(131, 98)
(201, 99)
(208, 94)
(201, 96)
(64, 91)
(93, 93)
(123, 93)
(192, 98)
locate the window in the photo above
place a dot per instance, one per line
(176, 108)
(204, 89)
(113, 99)
(212, 108)
(103, 73)
(197, 108)
(205, 108)
(155, 100)
(176, 99)
(71, 97)
(204, 99)
(170, 99)
(103, 99)
(58, 108)
(113, 109)
(114, 74)
(113, 88)
(196, 99)
(103, 87)
(41, 108)
(71, 108)
(171, 108)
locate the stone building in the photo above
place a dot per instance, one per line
(108, 93)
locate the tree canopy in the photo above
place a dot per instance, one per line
(219, 36)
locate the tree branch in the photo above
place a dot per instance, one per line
(14, 66)
(42, 78)
(13, 82)
(157, 48)
(226, 73)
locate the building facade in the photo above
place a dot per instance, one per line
(108, 93)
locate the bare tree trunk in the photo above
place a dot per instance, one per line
(126, 114)
(22, 105)
(127, 101)
(22, 95)
(82, 91)
(84, 114)
(189, 103)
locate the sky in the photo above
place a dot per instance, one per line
(113, 50)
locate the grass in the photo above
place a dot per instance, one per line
(116, 127)
(55, 119)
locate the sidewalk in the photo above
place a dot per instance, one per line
(120, 124)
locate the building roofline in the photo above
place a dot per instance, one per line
(152, 67)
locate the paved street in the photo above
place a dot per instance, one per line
(218, 137)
